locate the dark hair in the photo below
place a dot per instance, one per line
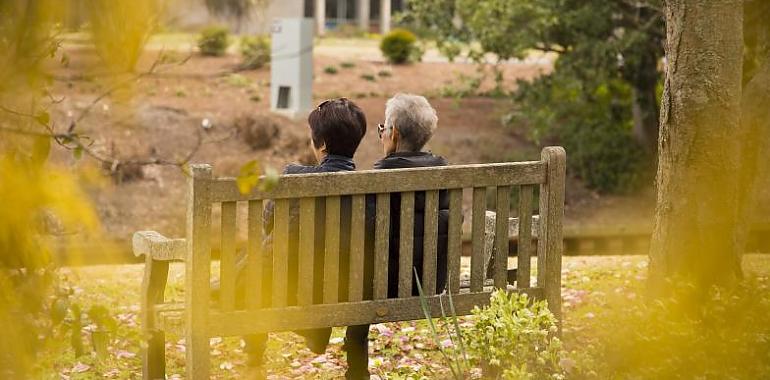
(340, 124)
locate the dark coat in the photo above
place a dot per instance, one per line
(410, 160)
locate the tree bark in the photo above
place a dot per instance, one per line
(697, 217)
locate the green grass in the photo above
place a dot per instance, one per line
(399, 350)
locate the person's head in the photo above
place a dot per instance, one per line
(409, 123)
(336, 127)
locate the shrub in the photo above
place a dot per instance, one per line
(348, 65)
(255, 51)
(368, 77)
(513, 337)
(400, 46)
(331, 69)
(214, 40)
(258, 131)
(384, 73)
(592, 121)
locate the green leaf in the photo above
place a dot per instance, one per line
(77, 152)
(248, 177)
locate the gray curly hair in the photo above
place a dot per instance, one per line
(414, 118)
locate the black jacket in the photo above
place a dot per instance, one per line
(410, 160)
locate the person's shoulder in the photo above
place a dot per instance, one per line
(299, 169)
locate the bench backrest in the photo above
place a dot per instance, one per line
(501, 178)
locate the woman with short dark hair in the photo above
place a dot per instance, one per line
(336, 129)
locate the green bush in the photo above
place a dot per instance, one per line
(592, 120)
(513, 337)
(331, 69)
(214, 40)
(255, 52)
(400, 46)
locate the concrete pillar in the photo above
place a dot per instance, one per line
(364, 7)
(320, 17)
(384, 16)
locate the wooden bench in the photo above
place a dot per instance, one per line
(199, 318)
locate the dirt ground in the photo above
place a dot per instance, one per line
(161, 115)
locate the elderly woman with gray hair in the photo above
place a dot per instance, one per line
(410, 122)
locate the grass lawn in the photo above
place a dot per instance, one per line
(592, 285)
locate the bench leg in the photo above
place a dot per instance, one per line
(153, 286)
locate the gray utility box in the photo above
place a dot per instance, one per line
(291, 82)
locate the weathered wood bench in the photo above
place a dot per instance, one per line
(199, 319)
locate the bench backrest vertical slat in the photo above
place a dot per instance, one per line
(254, 261)
(227, 273)
(332, 250)
(357, 231)
(477, 238)
(550, 237)
(454, 243)
(406, 244)
(198, 273)
(280, 275)
(501, 232)
(524, 246)
(307, 231)
(430, 240)
(381, 241)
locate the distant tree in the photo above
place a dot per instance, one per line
(714, 138)
(238, 10)
(601, 98)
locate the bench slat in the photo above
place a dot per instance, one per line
(357, 227)
(332, 250)
(477, 238)
(454, 249)
(227, 275)
(524, 244)
(280, 273)
(501, 233)
(379, 181)
(406, 245)
(254, 259)
(429, 243)
(306, 251)
(381, 242)
(344, 314)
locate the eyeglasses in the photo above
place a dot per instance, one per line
(381, 130)
(325, 102)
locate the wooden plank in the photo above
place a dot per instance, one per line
(551, 215)
(280, 253)
(501, 236)
(454, 249)
(430, 241)
(159, 247)
(332, 250)
(477, 238)
(357, 234)
(198, 273)
(306, 251)
(254, 261)
(345, 314)
(381, 242)
(154, 347)
(406, 245)
(227, 275)
(379, 181)
(524, 244)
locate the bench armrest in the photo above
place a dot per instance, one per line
(158, 247)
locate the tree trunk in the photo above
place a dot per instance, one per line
(697, 217)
